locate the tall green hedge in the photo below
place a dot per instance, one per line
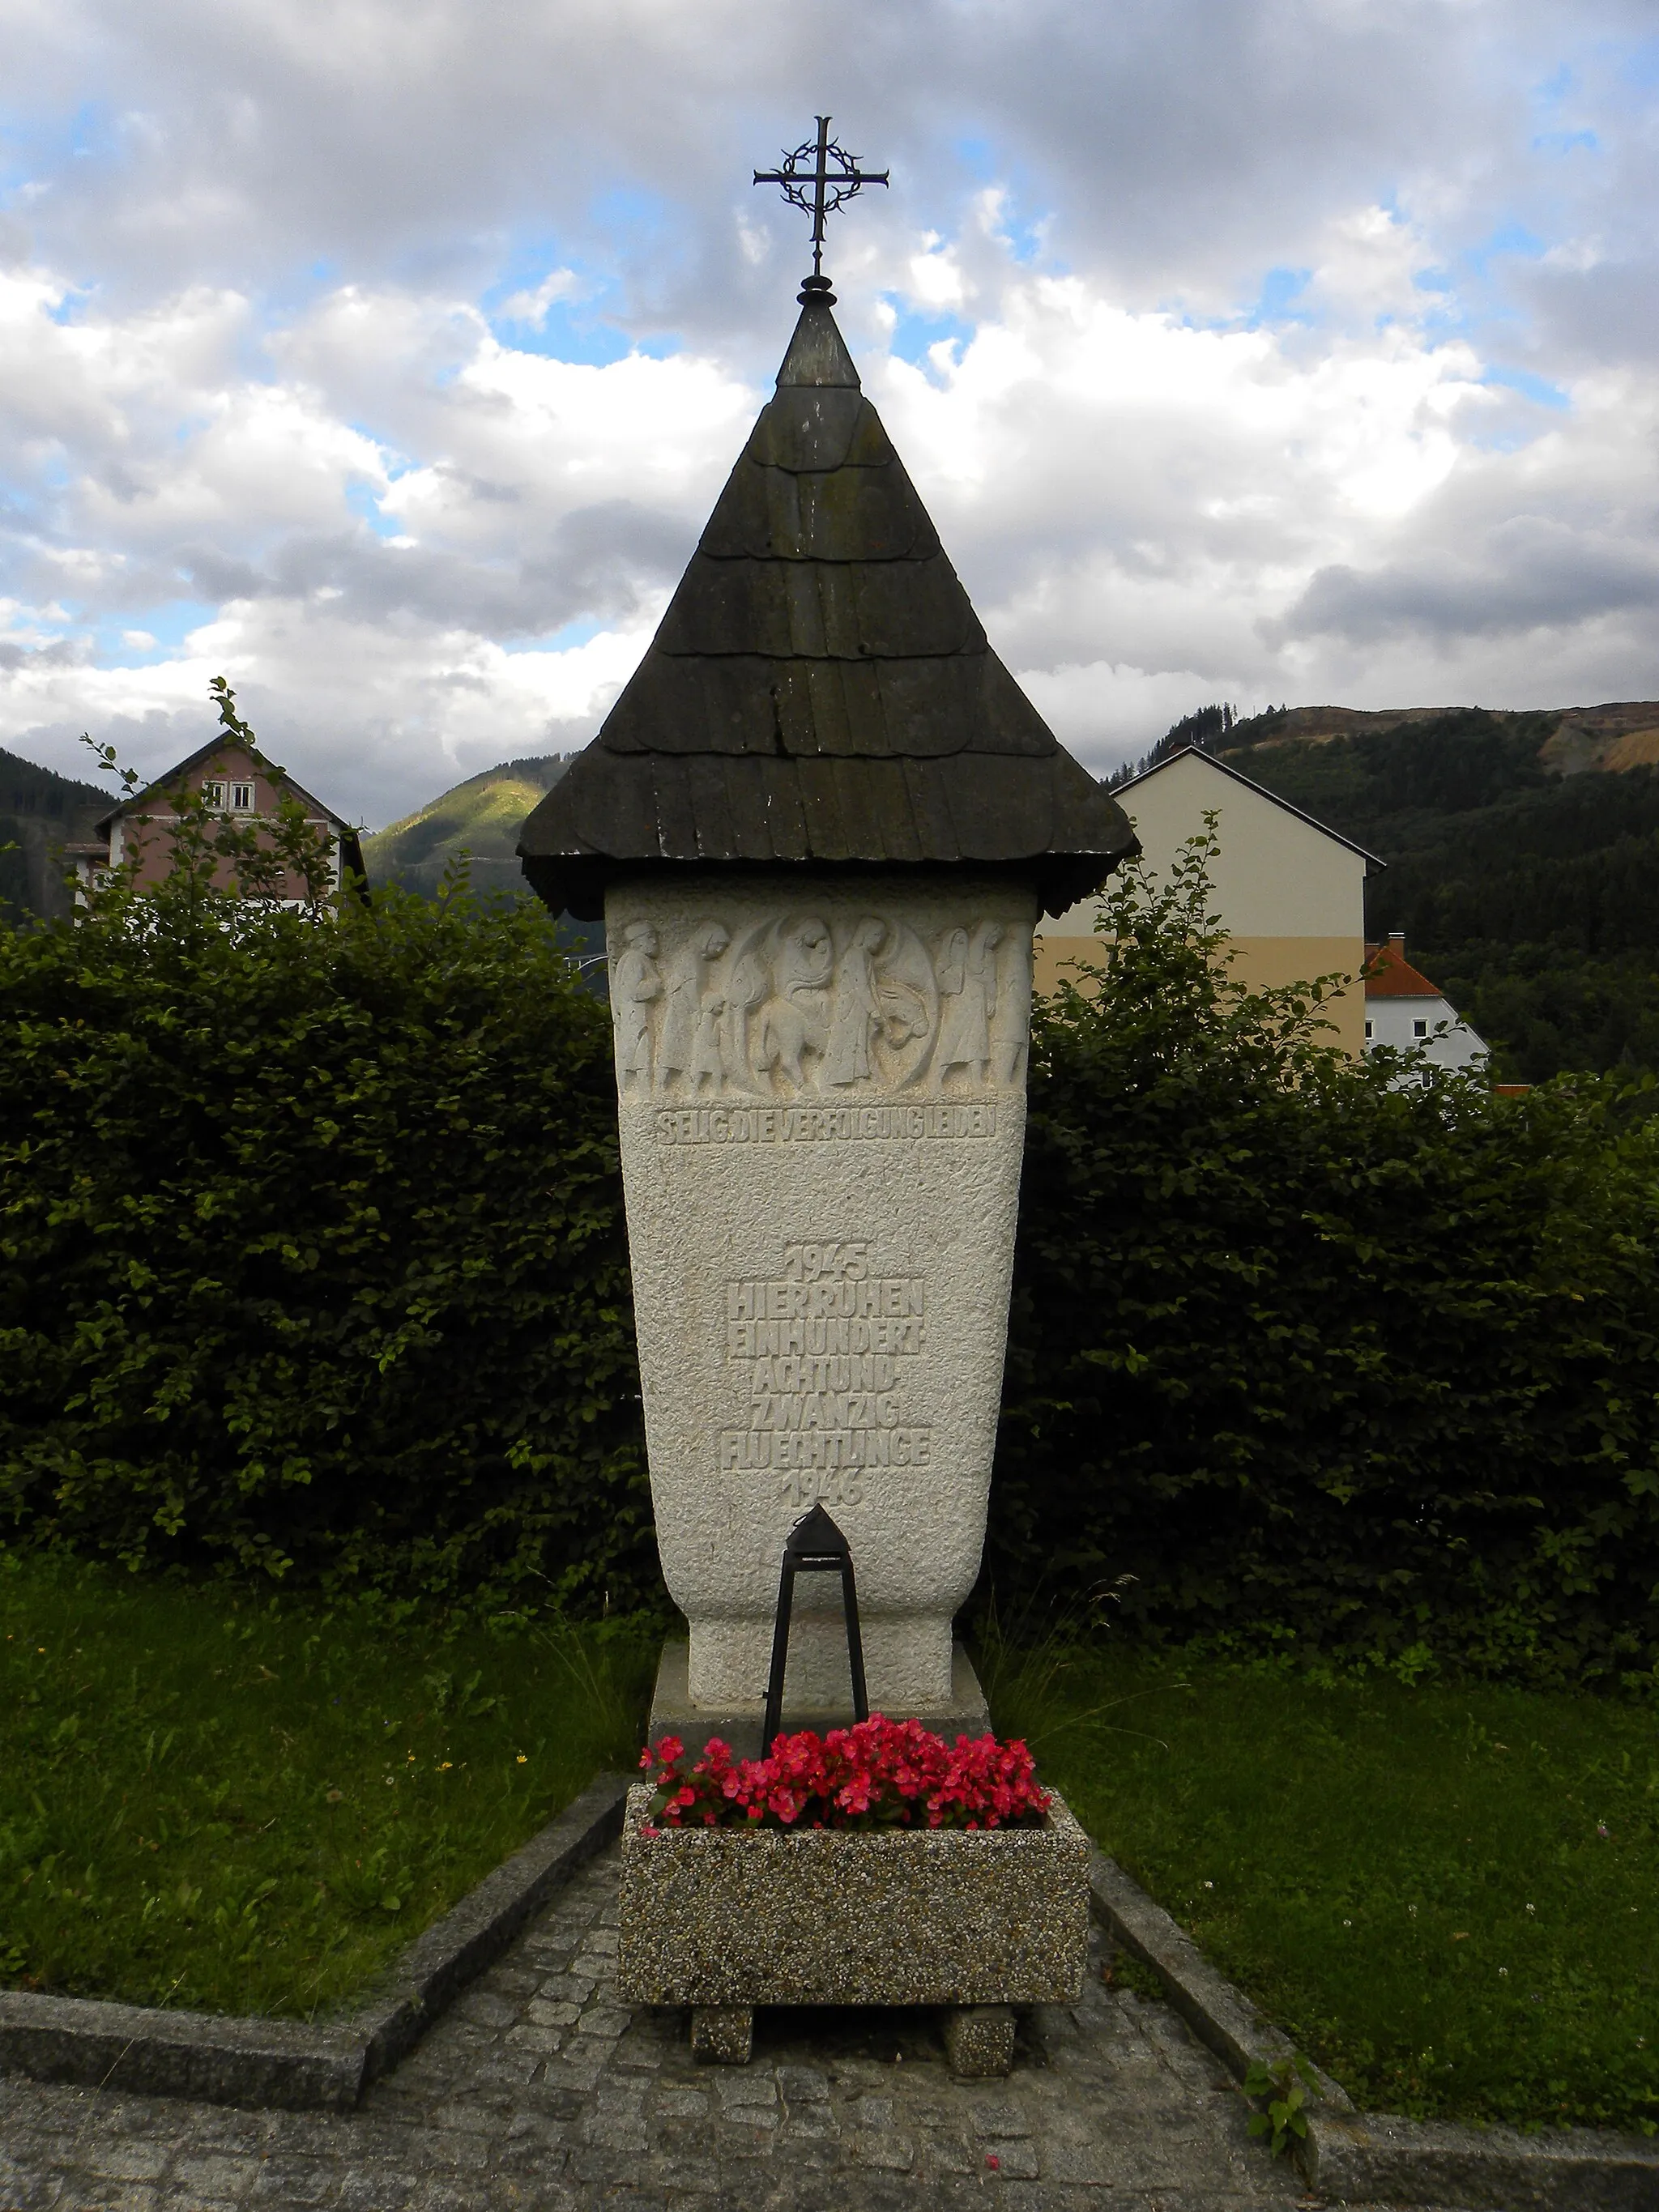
(311, 1258)
(1309, 1354)
(312, 1253)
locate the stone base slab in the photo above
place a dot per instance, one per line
(907, 1655)
(672, 1712)
(736, 1916)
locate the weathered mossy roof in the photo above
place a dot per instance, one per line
(820, 692)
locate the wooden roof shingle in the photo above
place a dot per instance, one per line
(820, 691)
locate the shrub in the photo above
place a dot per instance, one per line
(313, 1243)
(1311, 1357)
(314, 1263)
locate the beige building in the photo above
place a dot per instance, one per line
(1290, 892)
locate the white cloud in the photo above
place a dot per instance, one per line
(1242, 348)
(532, 306)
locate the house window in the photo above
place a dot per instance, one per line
(241, 797)
(214, 794)
(1368, 1032)
(1419, 1028)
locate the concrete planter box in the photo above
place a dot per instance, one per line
(734, 1918)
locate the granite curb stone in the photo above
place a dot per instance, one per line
(181, 2054)
(1357, 2157)
(291, 2065)
(1485, 2169)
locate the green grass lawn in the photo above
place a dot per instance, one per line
(1449, 1897)
(249, 1804)
(246, 1804)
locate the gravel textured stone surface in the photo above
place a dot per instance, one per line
(917, 1916)
(541, 2089)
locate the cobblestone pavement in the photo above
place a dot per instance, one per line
(542, 2090)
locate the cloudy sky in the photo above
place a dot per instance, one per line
(386, 355)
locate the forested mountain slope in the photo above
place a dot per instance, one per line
(1522, 852)
(482, 817)
(41, 812)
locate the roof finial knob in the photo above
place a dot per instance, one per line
(812, 184)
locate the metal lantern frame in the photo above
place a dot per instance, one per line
(814, 1546)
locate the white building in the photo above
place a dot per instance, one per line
(1404, 1009)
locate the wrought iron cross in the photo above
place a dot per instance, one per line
(819, 177)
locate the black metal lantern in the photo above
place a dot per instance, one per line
(814, 1546)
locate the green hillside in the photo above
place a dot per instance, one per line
(1522, 852)
(482, 817)
(41, 812)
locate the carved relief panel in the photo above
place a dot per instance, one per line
(803, 1005)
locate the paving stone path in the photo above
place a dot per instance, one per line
(541, 2090)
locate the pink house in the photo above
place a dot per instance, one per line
(239, 783)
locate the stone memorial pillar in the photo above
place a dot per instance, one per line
(820, 823)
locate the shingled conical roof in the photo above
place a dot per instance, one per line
(820, 693)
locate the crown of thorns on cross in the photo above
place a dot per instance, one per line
(819, 177)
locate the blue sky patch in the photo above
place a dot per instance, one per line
(72, 306)
(561, 641)
(986, 164)
(1565, 142)
(1276, 301)
(917, 329)
(1639, 68)
(169, 624)
(1510, 239)
(1538, 389)
(582, 326)
(364, 503)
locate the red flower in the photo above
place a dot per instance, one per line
(879, 1773)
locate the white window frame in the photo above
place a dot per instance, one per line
(241, 797)
(214, 792)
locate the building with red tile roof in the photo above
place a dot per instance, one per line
(1405, 1010)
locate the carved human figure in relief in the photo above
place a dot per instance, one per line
(709, 1046)
(968, 998)
(793, 1020)
(748, 985)
(689, 984)
(857, 1010)
(635, 986)
(1010, 1020)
